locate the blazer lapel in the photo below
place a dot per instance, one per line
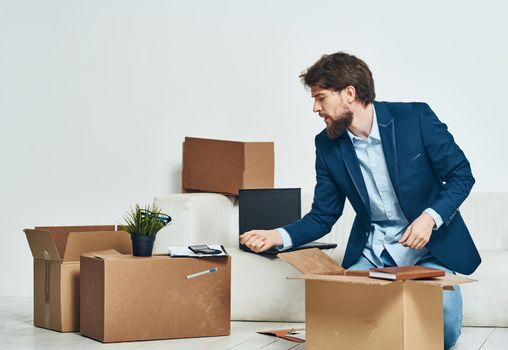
(387, 132)
(353, 167)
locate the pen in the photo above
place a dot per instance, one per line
(213, 269)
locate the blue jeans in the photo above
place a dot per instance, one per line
(452, 299)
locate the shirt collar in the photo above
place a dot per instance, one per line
(374, 132)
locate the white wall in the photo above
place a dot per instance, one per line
(96, 96)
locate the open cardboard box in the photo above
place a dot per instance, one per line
(127, 298)
(348, 310)
(226, 166)
(56, 252)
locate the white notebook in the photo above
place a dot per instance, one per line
(183, 251)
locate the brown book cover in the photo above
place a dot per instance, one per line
(405, 273)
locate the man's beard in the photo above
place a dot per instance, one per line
(339, 125)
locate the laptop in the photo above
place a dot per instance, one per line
(268, 209)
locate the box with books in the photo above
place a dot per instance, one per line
(358, 312)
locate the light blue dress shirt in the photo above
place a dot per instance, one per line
(388, 221)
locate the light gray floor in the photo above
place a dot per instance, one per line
(17, 332)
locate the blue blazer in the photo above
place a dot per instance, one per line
(427, 170)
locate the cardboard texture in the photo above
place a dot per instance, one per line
(126, 298)
(56, 252)
(358, 312)
(312, 261)
(226, 166)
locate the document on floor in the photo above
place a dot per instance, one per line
(185, 252)
(293, 334)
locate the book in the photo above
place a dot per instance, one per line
(185, 252)
(405, 273)
(292, 334)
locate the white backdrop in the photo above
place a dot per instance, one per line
(96, 96)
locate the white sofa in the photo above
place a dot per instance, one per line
(260, 290)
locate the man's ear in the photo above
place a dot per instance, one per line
(350, 94)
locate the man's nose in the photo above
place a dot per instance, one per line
(316, 108)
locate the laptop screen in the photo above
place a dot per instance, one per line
(267, 209)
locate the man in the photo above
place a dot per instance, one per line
(401, 171)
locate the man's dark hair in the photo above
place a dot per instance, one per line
(340, 70)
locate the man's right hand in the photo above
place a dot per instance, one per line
(261, 240)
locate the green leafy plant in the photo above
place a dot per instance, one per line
(145, 221)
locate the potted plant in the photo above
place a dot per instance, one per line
(143, 224)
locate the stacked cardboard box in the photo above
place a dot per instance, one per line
(226, 166)
(56, 252)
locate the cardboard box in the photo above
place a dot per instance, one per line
(352, 311)
(56, 252)
(226, 166)
(126, 298)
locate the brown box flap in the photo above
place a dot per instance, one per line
(42, 244)
(67, 229)
(80, 242)
(105, 254)
(344, 279)
(111, 254)
(60, 234)
(444, 282)
(311, 261)
(448, 280)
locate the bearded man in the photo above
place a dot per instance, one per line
(400, 169)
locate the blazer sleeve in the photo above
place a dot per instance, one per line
(448, 162)
(327, 207)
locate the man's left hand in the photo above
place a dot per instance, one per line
(417, 235)
(261, 240)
